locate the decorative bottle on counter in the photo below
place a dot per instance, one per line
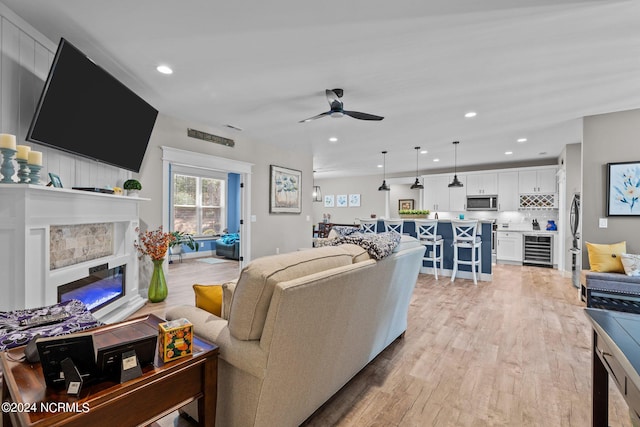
(436, 215)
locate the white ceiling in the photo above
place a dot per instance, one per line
(529, 69)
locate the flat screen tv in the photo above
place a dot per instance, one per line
(84, 110)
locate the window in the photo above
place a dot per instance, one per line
(199, 201)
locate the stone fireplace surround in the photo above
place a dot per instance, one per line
(31, 275)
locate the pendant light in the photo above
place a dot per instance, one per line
(416, 185)
(317, 193)
(455, 182)
(384, 186)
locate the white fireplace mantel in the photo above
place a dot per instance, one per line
(26, 214)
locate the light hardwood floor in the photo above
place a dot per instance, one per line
(512, 352)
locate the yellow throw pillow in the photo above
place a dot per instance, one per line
(209, 298)
(606, 258)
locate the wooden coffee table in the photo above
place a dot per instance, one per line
(162, 388)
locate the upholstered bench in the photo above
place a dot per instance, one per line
(14, 335)
(613, 291)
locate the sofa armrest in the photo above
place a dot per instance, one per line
(227, 295)
(244, 355)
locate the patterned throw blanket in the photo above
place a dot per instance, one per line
(13, 335)
(228, 239)
(377, 245)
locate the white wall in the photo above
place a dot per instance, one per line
(372, 201)
(571, 161)
(270, 232)
(607, 138)
(25, 58)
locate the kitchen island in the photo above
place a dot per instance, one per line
(446, 231)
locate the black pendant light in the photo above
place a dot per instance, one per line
(455, 182)
(416, 185)
(384, 186)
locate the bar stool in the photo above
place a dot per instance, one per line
(427, 230)
(465, 237)
(395, 225)
(369, 225)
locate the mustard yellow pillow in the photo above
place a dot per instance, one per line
(209, 298)
(606, 258)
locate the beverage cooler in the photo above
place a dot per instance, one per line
(538, 250)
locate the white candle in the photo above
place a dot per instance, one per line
(34, 158)
(23, 152)
(7, 141)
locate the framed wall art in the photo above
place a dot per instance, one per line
(623, 189)
(328, 201)
(354, 200)
(405, 204)
(55, 180)
(285, 190)
(341, 200)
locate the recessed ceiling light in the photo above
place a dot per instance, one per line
(470, 114)
(436, 160)
(164, 69)
(333, 139)
(424, 152)
(508, 153)
(379, 166)
(521, 140)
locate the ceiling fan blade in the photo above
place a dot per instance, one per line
(362, 116)
(326, 113)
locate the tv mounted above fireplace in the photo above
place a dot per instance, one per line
(84, 110)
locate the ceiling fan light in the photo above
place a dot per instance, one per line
(337, 114)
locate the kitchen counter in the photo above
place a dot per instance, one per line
(446, 231)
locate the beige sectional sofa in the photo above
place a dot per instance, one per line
(296, 327)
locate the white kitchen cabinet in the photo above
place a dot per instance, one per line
(458, 195)
(537, 181)
(508, 194)
(547, 181)
(509, 246)
(482, 184)
(436, 193)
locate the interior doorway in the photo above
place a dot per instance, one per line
(238, 174)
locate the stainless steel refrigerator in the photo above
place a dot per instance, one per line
(574, 224)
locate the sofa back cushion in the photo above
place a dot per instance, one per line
(253, 292)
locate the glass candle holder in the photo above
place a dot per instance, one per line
(7, 168)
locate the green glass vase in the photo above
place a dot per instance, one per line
(158, 287)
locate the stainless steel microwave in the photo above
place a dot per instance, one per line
(482, 203)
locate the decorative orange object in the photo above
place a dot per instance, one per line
(175, 339)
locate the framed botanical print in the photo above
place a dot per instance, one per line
(328, 201)
(341, 200)
(354, 200)
(623, 189)
(285, 190)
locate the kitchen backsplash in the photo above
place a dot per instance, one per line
(519, 217)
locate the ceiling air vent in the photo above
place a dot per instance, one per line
(210, 137)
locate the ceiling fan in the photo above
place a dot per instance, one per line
(337, 108)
